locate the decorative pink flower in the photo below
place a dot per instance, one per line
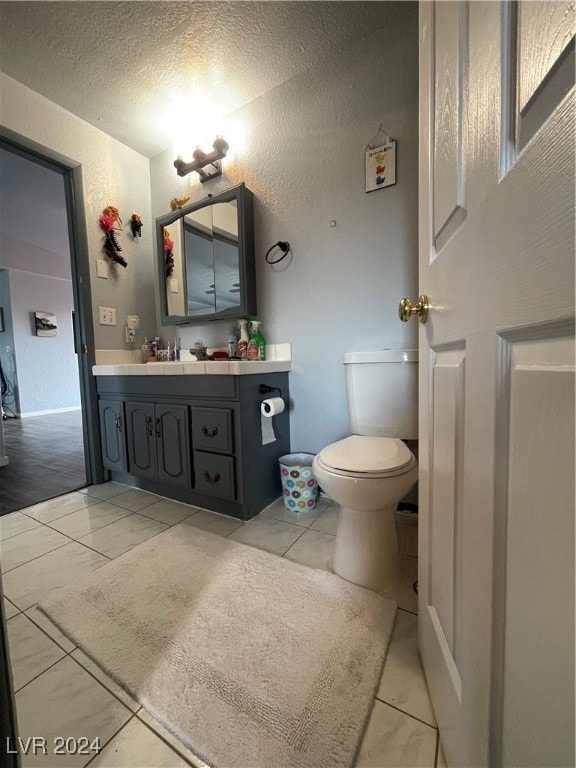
(168, 245)
(106, 223)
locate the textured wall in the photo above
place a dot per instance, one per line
(36, 253)
(47, 366)
(7, 355)
(111, 174)
(304, 161)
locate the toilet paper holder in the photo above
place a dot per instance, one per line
(264, 389)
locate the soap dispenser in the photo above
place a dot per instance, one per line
(232, 342)
(145, 349)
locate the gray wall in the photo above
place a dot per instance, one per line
(47, 366)
(304, 161)
(7, 355)
(35, 253)
(112, 174)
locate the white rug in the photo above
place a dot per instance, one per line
(252, 661)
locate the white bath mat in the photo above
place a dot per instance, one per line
(252, 661)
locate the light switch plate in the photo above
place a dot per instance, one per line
(107, 316)
(101, 268)
(133, 322)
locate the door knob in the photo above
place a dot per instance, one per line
(406, 309)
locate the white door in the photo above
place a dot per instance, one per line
(496, 577)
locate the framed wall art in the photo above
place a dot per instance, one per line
(46, 324)
(381, 166)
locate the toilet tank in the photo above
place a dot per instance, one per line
(382, 392)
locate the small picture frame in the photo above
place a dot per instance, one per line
(381, 166)
(46, 324)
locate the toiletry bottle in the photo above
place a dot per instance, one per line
(176, 349)
(153, 345)
(145, 350)
(256, 345)
(232, 342)
(170, 353)
(243, 342)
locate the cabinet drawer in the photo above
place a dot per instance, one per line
(212, 429)
(214, 474)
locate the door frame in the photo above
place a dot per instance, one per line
(83, 329)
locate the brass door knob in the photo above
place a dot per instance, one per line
(406, 309)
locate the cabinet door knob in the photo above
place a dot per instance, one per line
(149, 426)
(209, 432)
(119, 423)
(212, 480)
(158, 430)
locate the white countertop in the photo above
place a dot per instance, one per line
(210, 367)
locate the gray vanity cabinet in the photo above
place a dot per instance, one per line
(213, 441)
(141, 439)
(196, 438)
(158, 438)
(112, 434)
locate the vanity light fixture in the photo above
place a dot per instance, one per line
(201, 160)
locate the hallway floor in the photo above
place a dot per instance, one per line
(46, 459)
(59, 691)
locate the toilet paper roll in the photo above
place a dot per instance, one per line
(269, 408)
(272, 407)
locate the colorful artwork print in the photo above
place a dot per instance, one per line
(381, 166)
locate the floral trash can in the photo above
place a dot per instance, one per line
(299, 486)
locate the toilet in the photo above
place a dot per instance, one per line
(369, 473)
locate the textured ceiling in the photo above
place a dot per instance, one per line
(120, 65)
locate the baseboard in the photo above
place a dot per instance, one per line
(47, 413)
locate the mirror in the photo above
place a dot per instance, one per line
(206, 258)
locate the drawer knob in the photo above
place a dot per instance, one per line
(209, 432)
(212, 480)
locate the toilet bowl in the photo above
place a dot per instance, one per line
(367, 477)
(371, 471)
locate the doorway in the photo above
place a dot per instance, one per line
(48, 429)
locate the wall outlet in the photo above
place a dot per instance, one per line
(130, 335)
(107, 316)
(133, 322)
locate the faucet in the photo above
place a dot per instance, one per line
(199, 351)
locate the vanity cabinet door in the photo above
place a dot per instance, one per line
(112, 434)
(173, 443)
(140, 429)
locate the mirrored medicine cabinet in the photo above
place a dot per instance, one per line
(206, 259)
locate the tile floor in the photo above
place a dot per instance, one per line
(59, 691)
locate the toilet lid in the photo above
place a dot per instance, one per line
(359, 454)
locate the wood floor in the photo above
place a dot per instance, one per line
(46, 459)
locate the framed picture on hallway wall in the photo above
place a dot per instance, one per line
(45, 324)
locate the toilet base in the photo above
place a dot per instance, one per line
(366, 551)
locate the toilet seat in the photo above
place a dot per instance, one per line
(366, 457)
